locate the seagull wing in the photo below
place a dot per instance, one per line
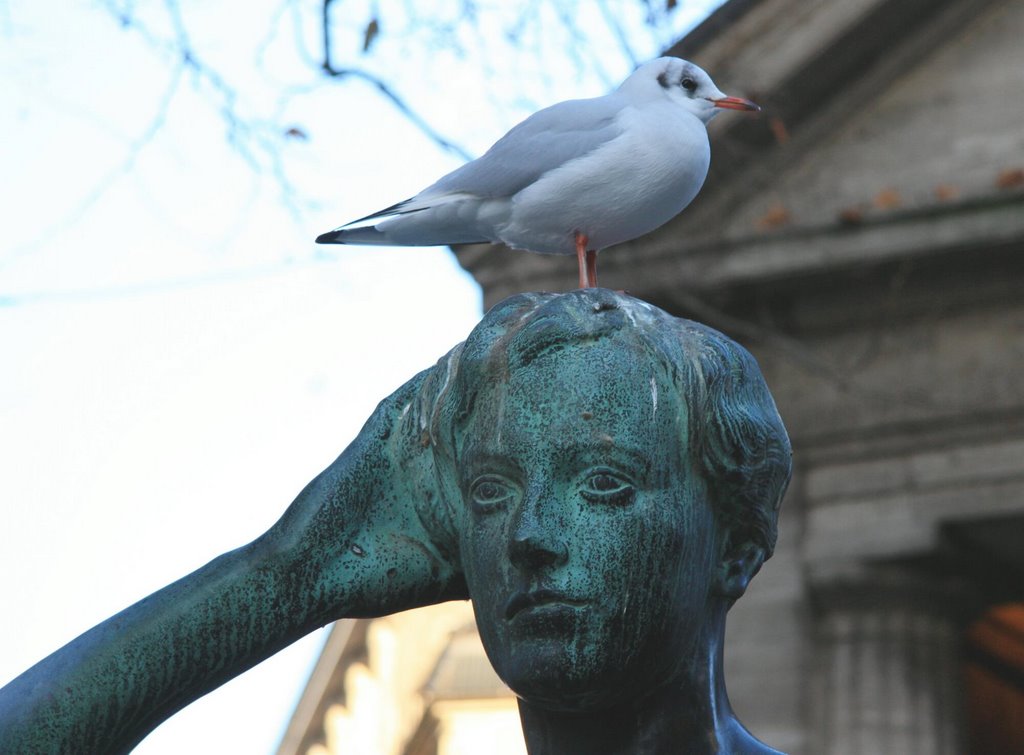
(446, 212)
(546, 140)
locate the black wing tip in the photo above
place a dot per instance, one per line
(331, 237)
(337, 236)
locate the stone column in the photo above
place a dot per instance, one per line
(886, 676)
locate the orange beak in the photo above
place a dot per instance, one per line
(735, 103)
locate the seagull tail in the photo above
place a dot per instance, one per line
(367, 234)
(430, 221)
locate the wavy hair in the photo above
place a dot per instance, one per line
(736, 438)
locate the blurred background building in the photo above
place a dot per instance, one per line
(865, 239)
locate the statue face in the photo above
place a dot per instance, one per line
(588, 540)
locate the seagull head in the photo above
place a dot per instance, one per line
(683, 83)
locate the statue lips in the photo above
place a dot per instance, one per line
(526, 600)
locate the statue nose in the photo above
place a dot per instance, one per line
(536, 540)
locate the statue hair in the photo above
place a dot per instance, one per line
(736, 438)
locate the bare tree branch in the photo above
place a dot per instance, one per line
(6, 23)
(111, 177)
(257, 142)
(383, 88)
(618, 31)
(162, 286)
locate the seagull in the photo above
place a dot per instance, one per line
(573, 178)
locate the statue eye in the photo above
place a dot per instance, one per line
(688, 84)
(489, 492)
(608, 487)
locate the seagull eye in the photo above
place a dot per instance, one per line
(688, 84)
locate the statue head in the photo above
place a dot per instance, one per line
(612, 477)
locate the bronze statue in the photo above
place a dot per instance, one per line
(601, 478)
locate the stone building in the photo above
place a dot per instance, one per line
(865, 239)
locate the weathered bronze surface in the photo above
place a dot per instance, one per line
(601, 478)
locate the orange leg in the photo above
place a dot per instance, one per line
(592, 267)
(587, 260)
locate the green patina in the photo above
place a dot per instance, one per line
(601, 478)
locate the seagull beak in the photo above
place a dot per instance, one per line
(734, 103)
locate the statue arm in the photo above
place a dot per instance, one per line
(350, 545)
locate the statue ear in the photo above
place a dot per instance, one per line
(738, 565)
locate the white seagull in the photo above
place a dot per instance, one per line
(576, 177)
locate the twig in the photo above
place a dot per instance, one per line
(110, 178)
(383, 88)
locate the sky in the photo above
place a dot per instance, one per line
(177, 358)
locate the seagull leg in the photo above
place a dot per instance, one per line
(587, 260)
(592, 267)
(581, 257)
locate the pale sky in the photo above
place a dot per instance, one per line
(177, 358)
